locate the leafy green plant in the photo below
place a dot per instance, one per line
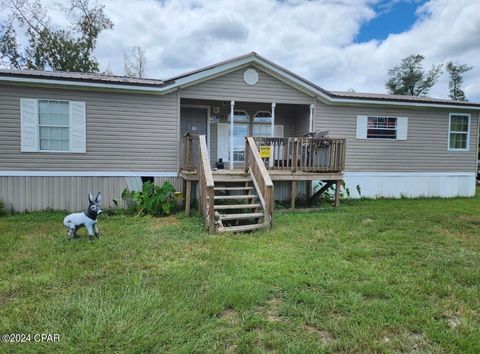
(4, 210)
(359, 190)
(152, 199)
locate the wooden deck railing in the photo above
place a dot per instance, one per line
(288, 154)
(188, 152)
(304, 154)
(263, 183)
(205, 183)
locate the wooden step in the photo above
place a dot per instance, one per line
(241, 216)
(235, 197)
(236, 206)
(242, 228)
(233, 188)
(225, 178)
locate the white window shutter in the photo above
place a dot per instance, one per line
(362, 127)
(402, 128)
(78, 135)
(223, 141)
(278, 131)
(29, 125)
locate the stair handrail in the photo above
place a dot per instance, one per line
(186, 152)
(206, 185)
(261, 178)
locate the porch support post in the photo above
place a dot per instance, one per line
(293, 194)
(337, 193)
(188, 197)
(273, 134)
(232, 110)
(311, 117)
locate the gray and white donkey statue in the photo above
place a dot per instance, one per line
(88, 218)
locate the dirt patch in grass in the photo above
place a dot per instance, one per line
(229, 315)
(7, 296)
(324, 336)
(417, 343)
(157, 224)
(272, 310)
(453, 322)
(470, 219)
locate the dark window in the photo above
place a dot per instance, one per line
(147, 179)
(382, 128)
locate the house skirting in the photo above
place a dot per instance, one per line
(34, 192)
(29, 193)
(410, 184)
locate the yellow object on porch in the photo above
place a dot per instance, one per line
(265, 151)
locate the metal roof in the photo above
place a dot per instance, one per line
(191, 76)
(75, 76)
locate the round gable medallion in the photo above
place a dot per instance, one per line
(250, 76)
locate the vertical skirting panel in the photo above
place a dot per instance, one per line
(282, 189)
(59, 193)
(410, 184)
(177, 182)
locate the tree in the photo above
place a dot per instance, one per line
(134, 62)
(409, 78)
(49, 47)
(456, 80)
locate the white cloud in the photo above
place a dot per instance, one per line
(315, 39)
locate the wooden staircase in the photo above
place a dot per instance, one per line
(234, 201)
(239, 200)
(236, 204)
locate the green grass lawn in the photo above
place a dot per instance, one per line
(371, 276)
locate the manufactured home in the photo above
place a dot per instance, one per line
(245, 131)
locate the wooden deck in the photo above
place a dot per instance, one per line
(275, 175)
(291, 159)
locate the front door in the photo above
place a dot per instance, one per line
(193, 120)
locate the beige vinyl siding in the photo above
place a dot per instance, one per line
(125, 132)
(231, 86)
(425, 150)
(302, 121)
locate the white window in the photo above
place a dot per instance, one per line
(240, 117)
(382, 127)
(52, 125)
(262, 130)
(262, 117)
(240, 131)
(458, 132)
(262, 124)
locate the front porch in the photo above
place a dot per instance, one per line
(290, 159)
(235, 152)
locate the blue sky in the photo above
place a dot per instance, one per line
(391, 17)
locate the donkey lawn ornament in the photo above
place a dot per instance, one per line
(88, 218)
